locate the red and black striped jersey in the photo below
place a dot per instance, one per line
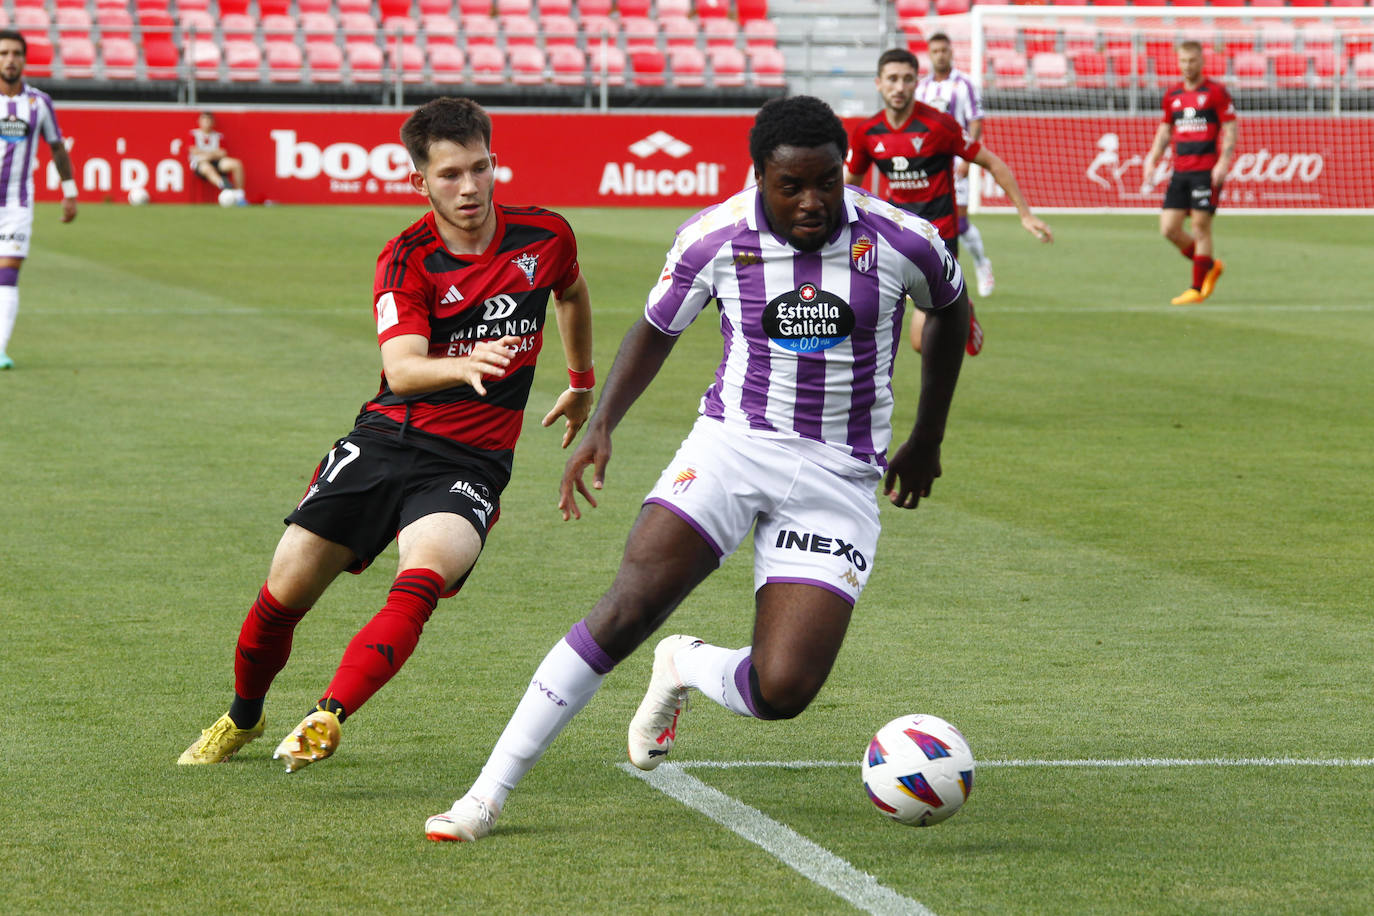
(1196, 116)
(456, 300)
(918, 160)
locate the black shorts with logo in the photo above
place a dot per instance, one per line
(1190, 191)
(369, 487)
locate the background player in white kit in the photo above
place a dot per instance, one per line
(952, 91)
(26, 114)
(811, 279)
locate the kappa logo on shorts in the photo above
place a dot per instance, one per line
(684, 480)
(816, 543)
(852, 579)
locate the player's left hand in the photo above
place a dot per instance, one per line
(68, 209)
(961, 169)
(911, 473)
(1218, 179)
(576, 406)
(1038, 228)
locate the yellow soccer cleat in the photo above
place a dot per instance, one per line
(314, 739)
(1189, 296)
(1209, 282)
(221, 741)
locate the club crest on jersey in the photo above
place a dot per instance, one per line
(862, 253)
(684, 480)
(527, 263)
(807, 319)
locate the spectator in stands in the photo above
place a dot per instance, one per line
(915, 146)
(210, 161)
(1198, 114)
(952, 91)
(30, 116)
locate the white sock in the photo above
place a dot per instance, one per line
(9, 310)
(711, 669)
(973, 240)
(563, 684)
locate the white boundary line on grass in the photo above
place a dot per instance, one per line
(813, 862)
(825, 869)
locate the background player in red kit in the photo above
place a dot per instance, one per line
(915, 147)
(460, 299)
(1197, 112)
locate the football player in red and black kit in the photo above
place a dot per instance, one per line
(1197, 113)
(915, 147)
(460, 300)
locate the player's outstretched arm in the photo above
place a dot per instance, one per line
(410, 370)
(1229, 132)
(1002, 173)
(912, 470)
(641, 355)
(573, 311)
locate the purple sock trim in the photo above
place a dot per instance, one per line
(746, 690)
(9, 276)
(580, 638)
(963, 225)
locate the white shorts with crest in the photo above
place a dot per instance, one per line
(16, 225)
(811, 525)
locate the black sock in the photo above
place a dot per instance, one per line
(332, 705)
(245, 712)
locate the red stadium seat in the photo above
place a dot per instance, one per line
(1290, 70)
(354, 6)
(598, 30)
(587, 8)
(720, 32)
(711, 9)
(760, 33)
(319, 28)
(1039, 41)
(951, 7)
(279, 28)
(206, 57)
(751, 11)
(910, 12)
(226, 7)
(407, 61)
(196, 22)
(488, 64)
(679, 31)
(388, 8)
(436, 8)
(358, 28)
(364, 62)
(605, 62)
(120, 58)
(38, 60)
(326, 62)
(688, 67)
(1009, 71)
(1089, 68)
(1050, 70)
(727, 66)
(1124, 73)
(553, 8)
(284, 61)
(70, 5)
(526, 65)
(1166, 70)
(399, 27)
(648, 65)
(237, 27)
(1248, 70)
(474, 8)
(314, 6)
(31, 19)
(569, 65)
(446, 63)
(1325, 66)
(767, 67)
(440, 30)
(514, 8)
(113, 23)
(558, 30)
(243, 61)
(479, 30)
(633, 9)
(640, 32)
(72, 22)
(160, 56)
(519, 30)
(78, 57)
(673, 8)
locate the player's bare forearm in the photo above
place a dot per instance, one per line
(573, 312)
(1229, 133)
(411, 371)
(62, 162)
(1002, 173)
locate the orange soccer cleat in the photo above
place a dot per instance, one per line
(1209, 282)
(1189, 296)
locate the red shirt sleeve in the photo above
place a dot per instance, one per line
(963, 146)
(400, 295)
(573, 270)
(1226, 109)
(856, 159)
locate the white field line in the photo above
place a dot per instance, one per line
(1087, 763)
(813, 862)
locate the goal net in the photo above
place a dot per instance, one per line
(1072, 97)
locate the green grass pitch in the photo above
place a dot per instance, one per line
(1152, 545)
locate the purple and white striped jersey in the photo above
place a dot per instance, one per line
(955, 95)
(23, 119)
(810, 337)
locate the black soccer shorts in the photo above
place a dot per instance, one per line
(1190, 191)
(368, 488)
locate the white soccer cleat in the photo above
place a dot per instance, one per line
(654, 726)
(470, 818)
(986, 282)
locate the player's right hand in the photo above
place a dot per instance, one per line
(595, 449)
(488, 359)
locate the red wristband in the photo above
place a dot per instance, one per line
(583, 380)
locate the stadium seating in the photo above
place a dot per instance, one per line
(474, 7)
(766, 66)
(720, 32)
(711, 9)
(205, 57)
(160, 56)
(439, 30)
(77, 53)
(242, 60)
(319, 28)
(38, 61)
(399, 27)
(547, 8)
(727, 66)
(751, 11)
(1363, 68)
(71, 21)
(648, 66)
(1009, 71)
(436, 8)
(284, 61)
(479, 30)
(1248, 69)
(688, 67)
(388, 8)
(568, 64)
(679, 31)
(519, 29)
(760, 33)
(446, 63)
(633, 9)
(640, 33)
(1050, 70)
(358, 28)
(587, 8)
(279, 28)
(237, 27)
(364, 62)
(113, 23)
(557, 30)
(119, 57)
(606, 62)
(488, 64)
(326, 62)
(1089, 68)
(406, 60)
(526, 65)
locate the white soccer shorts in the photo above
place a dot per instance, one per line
(811, 525)
(16, 225)
(961, 191)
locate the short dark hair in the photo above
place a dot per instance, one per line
(799, 120)
(939, 36)
(12, 35)
(1190, 46)
(898, 56)
(450, 118)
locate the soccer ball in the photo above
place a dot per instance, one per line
(918, 770)
(138, 196)
(228, 197)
